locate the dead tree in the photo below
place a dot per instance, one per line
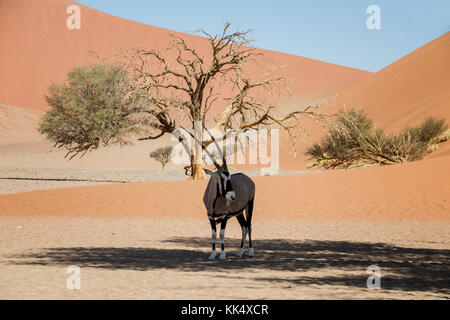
(184, 82)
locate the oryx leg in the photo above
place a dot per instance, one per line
(214, 237)
(243, 224)
(222, 238)
(249, 212)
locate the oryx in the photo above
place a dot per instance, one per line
(226, 196)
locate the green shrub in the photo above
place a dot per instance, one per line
(91, 109)
(353, 139)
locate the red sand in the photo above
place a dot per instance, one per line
(402, 94)
(413, 191)
(36, 49)
(407, 91)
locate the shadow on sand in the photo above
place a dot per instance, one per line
(407, 269)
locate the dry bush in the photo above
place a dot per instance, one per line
(162, 155)
(353, 139)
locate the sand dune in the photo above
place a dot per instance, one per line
(18, 125)
(48, 49)
(407, 91)
(399, 95)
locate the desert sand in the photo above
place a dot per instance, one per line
(314, 234)
(163, 258)
(415, 191)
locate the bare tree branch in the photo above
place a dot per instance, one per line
(186, 82)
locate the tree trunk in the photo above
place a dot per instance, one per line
(197, 172)
(196, 169)
(197, 156)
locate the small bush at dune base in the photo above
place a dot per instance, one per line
(162, 155)
(353, 139)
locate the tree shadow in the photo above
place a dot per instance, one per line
(407, 269)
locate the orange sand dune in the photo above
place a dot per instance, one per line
(412, 191)
(18, 125)
(402, 94)
(407, 91)
(36, 48)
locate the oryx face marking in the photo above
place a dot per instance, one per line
(228, 191)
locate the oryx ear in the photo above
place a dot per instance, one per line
(209, 172)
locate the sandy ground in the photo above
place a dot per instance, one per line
(23, 180)
(414, 191)
(167, 259)
(152, 240)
